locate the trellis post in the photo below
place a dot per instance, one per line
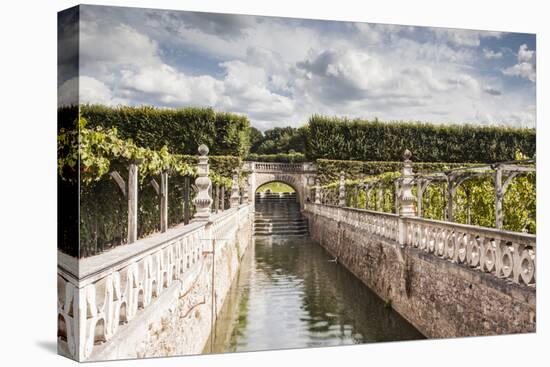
(235, 198)
(451, 190)
(419, 195)
(342, 191)
(499, 194)
(380, 198)
(217, 198)
(203, 201)
(163, 200)
(186, 200)
(132, 202)
(407, 200)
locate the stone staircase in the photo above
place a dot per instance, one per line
(278, 214)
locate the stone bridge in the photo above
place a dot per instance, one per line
(299, 176)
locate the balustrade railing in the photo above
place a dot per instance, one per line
(278, 167)
(380, 224)
(105, 291)
(507, 255)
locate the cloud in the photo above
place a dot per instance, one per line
(492, 91)
(280, 71)
(526, 66)
(463, 37)
(490, 54)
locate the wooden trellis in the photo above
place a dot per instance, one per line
(503, 174)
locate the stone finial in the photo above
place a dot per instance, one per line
(317, 192)
(203, 201)
(235, 197)
(407, 155)
(342, 191)
(407, 199)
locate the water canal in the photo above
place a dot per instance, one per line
(289, 293)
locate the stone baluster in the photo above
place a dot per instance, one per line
(342, 191)
(406, 200)
(235, 197)
(317, 192)
(203, 201)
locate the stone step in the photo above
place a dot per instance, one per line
(281, 233)
(280, 227)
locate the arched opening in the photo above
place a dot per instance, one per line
(277, 209)
(275, 189)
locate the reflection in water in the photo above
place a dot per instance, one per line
(288, 294)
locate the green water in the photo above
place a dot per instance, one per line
(287, 294)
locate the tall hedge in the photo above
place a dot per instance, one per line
(182, 130)
(341, 138)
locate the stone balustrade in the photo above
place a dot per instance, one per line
(507, 255)
(99, 295)
(262, 167)
(504, 254)
(380, 224)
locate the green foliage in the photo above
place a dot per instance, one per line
(280, 140)
(329, 170)
(180, 130)
(280, 157)
(474, 201)
(341, 138)
(91, 151)
(275, 187)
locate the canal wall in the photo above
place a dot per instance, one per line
(440, 297)
(159, 296)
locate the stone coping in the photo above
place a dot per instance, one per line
(81, 272)
(374, 212)
(488, 231)
(499, 233)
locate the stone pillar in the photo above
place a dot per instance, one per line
(406, 200)
(342, 191)
(203, 201)
(235, 197)
(317, 192)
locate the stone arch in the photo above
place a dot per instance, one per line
(292, 180)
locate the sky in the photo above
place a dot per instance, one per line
(280, 71)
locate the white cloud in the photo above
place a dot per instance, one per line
(278, 71)
(526, 65)
(490, 54)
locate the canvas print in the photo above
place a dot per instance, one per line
(231, 183)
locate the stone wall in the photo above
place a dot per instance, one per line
(156, 297)
(439, 297)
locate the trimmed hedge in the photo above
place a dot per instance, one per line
(341, 138)
(182, 130)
